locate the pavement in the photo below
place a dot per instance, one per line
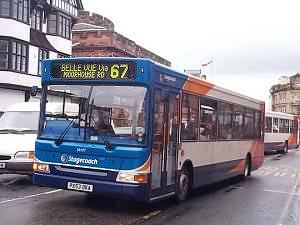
(269, 197)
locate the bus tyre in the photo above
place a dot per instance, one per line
(247, 169)
(183, 185)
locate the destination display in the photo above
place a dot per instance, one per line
(122, 70)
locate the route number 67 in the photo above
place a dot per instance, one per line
(118, 71)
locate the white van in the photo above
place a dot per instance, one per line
(18, 131)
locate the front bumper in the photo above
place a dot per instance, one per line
(17, 167)
(136, 192)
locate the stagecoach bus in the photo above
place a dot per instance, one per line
(142, 131)
(281, 132)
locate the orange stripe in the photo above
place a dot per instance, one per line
(145, 167)
(197, 86)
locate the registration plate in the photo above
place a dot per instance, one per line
(80, 187)
(2, 165)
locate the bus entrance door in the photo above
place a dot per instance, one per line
(164, 151)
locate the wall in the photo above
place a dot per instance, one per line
(13, 28)
(60, 44)
(9, 97)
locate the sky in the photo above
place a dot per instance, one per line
(251, 42)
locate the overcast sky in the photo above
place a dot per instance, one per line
(251, 42)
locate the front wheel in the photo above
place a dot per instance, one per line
(183, 185)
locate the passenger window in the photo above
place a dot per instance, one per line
(189, 118)
(294, 126)
(257, 125)
(268, 125)
(208, 114)
(275, 127)
(238, 122)
(283, 126)
(249, 124)
(225, 118)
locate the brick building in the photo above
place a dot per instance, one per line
(94, 35)
(286, 95)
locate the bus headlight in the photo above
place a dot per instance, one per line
(132, 177)
(24, 155)
(41, 167)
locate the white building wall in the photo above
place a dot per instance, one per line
(8, 77)
(52, 55)
(13, 28)
(60, 44)
(33, 62)
(9, 97)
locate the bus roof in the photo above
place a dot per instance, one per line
(280, 115)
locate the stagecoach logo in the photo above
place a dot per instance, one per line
(65, 158)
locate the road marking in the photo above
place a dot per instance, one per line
(267, 173)
(152, 214)
(292, 195)
(29, 196)
(282, 192)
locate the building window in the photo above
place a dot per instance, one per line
(36, 19)
(19, 56)
(69, 6)
(5, 8)
(60, 25)
(4, 54)
(17, 9)
(13, 56)
(52, 24)
(189, 118)
(64, 26)
(43, 54)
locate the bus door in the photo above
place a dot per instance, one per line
(165, 139)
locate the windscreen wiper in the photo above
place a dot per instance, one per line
(61, 137)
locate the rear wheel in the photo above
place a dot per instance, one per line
(183, 185)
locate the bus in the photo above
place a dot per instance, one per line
(142, 130)
(281, 132)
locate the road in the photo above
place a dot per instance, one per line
(269, 197)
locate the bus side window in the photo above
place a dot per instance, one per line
(238, 118)
(275, 127)
(208, 119)
(268, 125)
(225, 119)
(189, 118)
